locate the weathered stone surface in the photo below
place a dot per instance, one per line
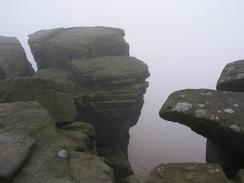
(57, 47)
(216, 115)
(31, 119)
(87, 168)
(111, 98)
(13, 61)
(58, 76)
(232, 77)
(230, 161)
(53, 96)
(187, 173)
(14, 151)
(45, 165)
(81, 133)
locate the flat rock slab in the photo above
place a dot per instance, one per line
(13, 61)
(216, 115)
(14, 151)
(57, 47)
(187, 173)
(232, 77)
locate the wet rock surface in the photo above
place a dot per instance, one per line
(187, 173)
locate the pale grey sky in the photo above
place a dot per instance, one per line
(186, 43)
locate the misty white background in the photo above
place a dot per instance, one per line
(185, 43)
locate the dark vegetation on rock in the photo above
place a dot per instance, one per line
(69, 122)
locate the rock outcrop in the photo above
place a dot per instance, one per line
(216, 115)
(76, 109)
(187, 173)
(56, 48)
(232, 77)
(13, 61)
(107, 84)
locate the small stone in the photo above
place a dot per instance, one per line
(63, 153)
(236, 105)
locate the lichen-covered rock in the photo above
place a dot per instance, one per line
(230, 161)
(216, 115)
(89, 168)
(14, 151)
(57, 47)
(54, 165)
(111, 98)
(187, 173)
(31, 119)
(82, 133)
(13, 61)
(232, 77)
(53, 96)
(45, 165)
(59, 76)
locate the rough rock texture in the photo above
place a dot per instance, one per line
(216, 115)
(48, 164)
(107, 85)
(13, 61)
(53, 96)
(59, 76)
(232, 77)
(57, 47)
(88, 168)
(14, 151)
(111, 99)
(187, 173)
(229, 160)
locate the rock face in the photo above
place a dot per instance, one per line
(107, 84)
(15, 149)
(57, 47)
(13, 61)
(51, 159)
(232, 77)
(187, 173)
(213, 114)
(231, 161)
(53, 96)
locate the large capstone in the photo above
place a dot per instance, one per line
(13, 61)
(57, 47)
(187, 173)
(216, 115)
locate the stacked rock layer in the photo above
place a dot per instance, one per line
(77, 108)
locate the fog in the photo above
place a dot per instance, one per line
(185, 44)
